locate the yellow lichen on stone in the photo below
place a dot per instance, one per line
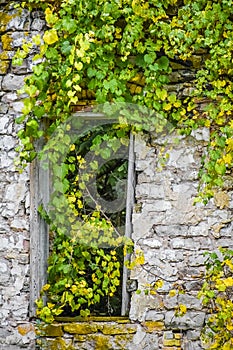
(53, 330)
(4, 20)
(3, 66)
(123, 320)
(196, 61)
(221, 199)
(80, 328)
(6, 42)
(3, 56)
(118, 329)
(102, 342)
(139, 79)
(80, 338)
(123, 340)
(153, 326)
(172, 342)
(56, 344)
(4, 62)
(25, 329)
(178, 336)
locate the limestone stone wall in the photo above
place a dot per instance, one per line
(109, 334)
(167, 228)
(15, 330)
(173, 233)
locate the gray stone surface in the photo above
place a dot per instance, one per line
(14, 204)
(173, 233)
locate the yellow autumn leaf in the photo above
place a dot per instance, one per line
(229, 142)
(227, 158)
(78, 65)
(50, 17)
(159, 284)
(229, 327)
(177, 104)
(139, 7)
(71, 199)
(72, 147)
(228, 281)
(50, 36)
(74, 289)
(229, 264)
(80, 204)
(50, 305)
(167, 106)
(77, 87)
(153, 292)
(172, 293)
(83, 283)
(139, 259)
(80, 53)
(207, 123)
(227, 346)
(94, 278)
(46, 287)
(36, 39)
(231, 126)
(182, 309)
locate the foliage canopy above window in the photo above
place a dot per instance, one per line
(124, 51)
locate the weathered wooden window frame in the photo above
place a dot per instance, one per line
(39, 230)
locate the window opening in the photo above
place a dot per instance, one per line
(113, 177)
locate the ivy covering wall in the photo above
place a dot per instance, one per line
(121, 53)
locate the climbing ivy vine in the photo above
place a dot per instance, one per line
(101, 47)
(126, 51)
(216, 296)
(122, 51)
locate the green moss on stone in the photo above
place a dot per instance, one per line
(172, 342)
(4, 20)
(196, 61)
(102, 342)
(80, 328)
(6, 42)
(80, 338)
(153, 326)
(3, 67)
(53, 331)
(113, 329)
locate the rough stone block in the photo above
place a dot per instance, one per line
(193, 335)
(154, 315)
(153, 326)
(80, 328)
(12, 82)
(172, 342)
(168, 335)
(52, 331)
(112, 329)
(15, 192)
(152, 243)
(24, 329)
(191, 320)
